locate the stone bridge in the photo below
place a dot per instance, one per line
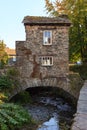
(42, 59)
(60, 82)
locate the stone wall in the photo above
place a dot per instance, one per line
(29, 55)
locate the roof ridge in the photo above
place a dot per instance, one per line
(45, 20)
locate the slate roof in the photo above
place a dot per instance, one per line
(37, 20)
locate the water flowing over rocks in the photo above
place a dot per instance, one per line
(46, 109)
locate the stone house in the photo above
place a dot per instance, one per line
(42, 58)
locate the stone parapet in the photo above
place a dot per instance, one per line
(80, 120)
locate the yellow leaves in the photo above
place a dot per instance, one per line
(3, 54)
(2, 97)
(1, 101)
(59, 6)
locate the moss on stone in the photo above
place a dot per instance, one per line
(76, 83)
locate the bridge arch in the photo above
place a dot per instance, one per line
(60, 82)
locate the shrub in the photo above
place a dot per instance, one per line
(23, 98)
(81, 69)
(5, 82)
(9, 80)
(12, 72)
(1, 64)
(13, 117)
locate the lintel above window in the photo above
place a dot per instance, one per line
(47, 37)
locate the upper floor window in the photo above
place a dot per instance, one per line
(47, 37)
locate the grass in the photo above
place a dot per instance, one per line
(81, 69)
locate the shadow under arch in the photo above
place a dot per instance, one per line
(53, 91)
(60, 82)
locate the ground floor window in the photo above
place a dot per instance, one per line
(47, 60)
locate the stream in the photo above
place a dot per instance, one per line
(51, 112)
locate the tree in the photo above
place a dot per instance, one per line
(3, 54)
(78, 32)
(77, 12)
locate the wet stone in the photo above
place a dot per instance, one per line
(48, 109)
(38, 112)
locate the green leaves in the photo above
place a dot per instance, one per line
(3, 54)
(5, 82)
(9, 80)
(13, 116)
(77, 12)
(4, 127)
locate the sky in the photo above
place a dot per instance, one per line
(12, 13)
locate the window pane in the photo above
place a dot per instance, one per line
(47, 60)
(50, 60)
(47, 37)
(48, 34)
(49, 40)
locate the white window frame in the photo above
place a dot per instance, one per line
(46, 39)
(47, 61)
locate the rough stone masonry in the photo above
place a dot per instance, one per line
(42, 59)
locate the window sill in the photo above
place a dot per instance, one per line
(47, 65)
(47, 44)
